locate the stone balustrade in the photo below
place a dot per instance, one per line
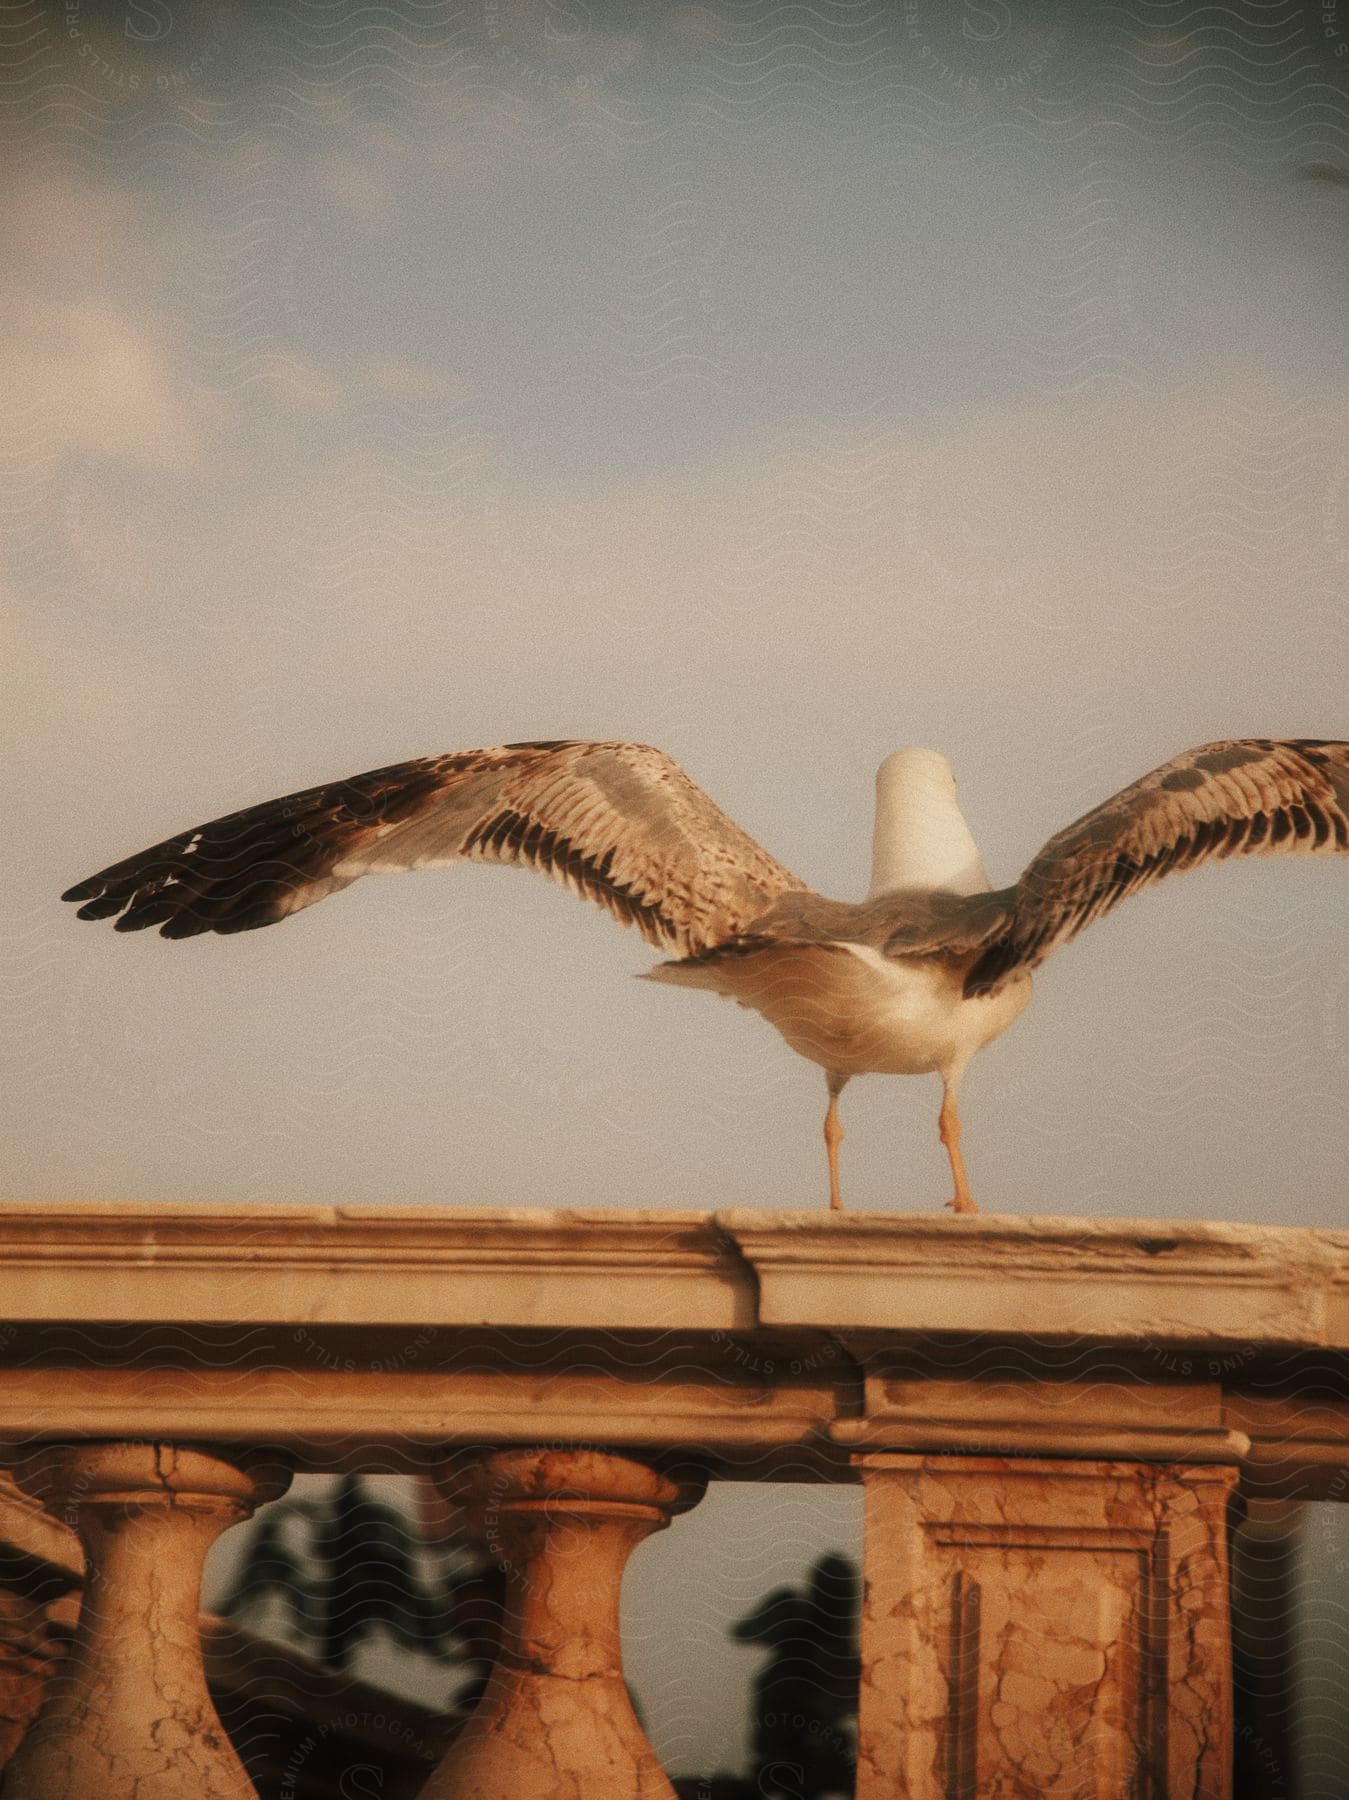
(1052, 1420)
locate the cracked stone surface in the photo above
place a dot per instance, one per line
(1041, 1628)
(556, 1722)
(128, 1716)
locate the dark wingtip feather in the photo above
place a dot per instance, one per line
(252, 867)
(102, 908)
(143, 913)
(183, 925)
(226, 927)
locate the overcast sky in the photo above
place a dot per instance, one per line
(779, 385)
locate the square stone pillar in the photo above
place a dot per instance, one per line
(1044, 1629)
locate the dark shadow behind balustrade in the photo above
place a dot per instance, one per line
(804, 1703)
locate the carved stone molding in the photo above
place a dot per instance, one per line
(575, 1388)
(372, 1265)
(1125, 1281)
(1048, 1279)
(1001, 1399)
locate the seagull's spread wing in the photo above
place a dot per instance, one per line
(1247, 797)
(620, 824)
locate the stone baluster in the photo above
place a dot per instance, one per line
(556, 1722)
(129, 1715)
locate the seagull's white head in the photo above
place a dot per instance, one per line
(916, 766)
(921, 841)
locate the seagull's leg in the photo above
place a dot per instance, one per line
(962, 1201)
(833, 1137)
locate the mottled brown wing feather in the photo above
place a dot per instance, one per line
(620, 824)
(1245, 797)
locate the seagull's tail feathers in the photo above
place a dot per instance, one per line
(704, 970)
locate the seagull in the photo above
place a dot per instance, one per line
(915, 979)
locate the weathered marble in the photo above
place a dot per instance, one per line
(1110, 1280)
(304, 1729)
(1047, 1626)
(1156, 1281)
(128, 1716)
(1044, 1630)
(556, 1722)
(989, 1397)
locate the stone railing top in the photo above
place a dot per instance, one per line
(1111, 1281)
